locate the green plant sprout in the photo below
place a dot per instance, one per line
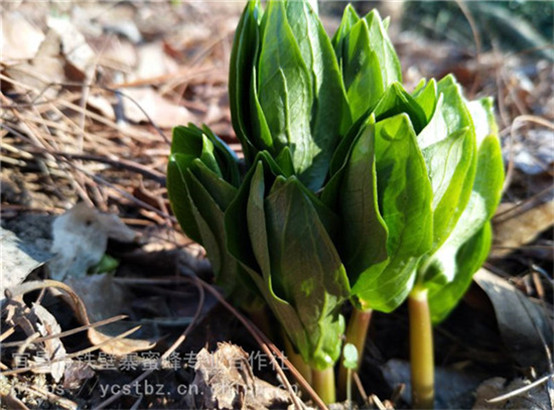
(350, 363)
(351, 188)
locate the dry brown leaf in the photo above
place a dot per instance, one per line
(149, 53)
(80, 240)
(73, 46)
(523, 325)
(54, 349)
(45, 68)
(522, 228)
(23, 259)
(119, 53)
(162, 112)
(117, 347)
(225, 381)
(102, 104)
(20, 39)
(75, 373)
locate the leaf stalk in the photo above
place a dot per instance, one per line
(323, 382)
(421, 350)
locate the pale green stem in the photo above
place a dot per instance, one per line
(356, 333)
(349, 388)
(421, 350)
(296, 360)
(323, 382)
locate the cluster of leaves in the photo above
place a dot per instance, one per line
(353, 188)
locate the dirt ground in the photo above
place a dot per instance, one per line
(89, 94)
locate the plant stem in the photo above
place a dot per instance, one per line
(356, 333)
(421, 350)
(323, 382)
(296, 359)
(349, 388)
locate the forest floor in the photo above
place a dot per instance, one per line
(89, 94)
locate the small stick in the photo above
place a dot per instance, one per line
(520, 390)
(68, 332)
(72, 355)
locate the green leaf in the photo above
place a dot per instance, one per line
(469, 258)
(349, 18)
(425, 95)
(226, 158)
(189, 145)
(241, 69)
(306, 269)
(261, 134)
(405, 196)
(239, 242)
(448, 146)
(285, 89)
(278, 222)
(245, 219)
(391, 70)
(330, 112)
(299, 93)
(451, 169)
(340, 155)
(447, 265)
(202, 143)
(178, 195)
(363, 235)
(362, 70)
(397, 101)
(219, 190)
(367, 58)
(204, 205)
(350, 356)
(284, 160)
(209, 217)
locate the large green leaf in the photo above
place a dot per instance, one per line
(446, 264)
(469, 258)
(210, 219)
(205, 197)
(405, 197)
(362, 70)
(448, 146)
(287, 250)
(241, 70)
(285, 89)
(306, 269)
(239, 242)
(330, 112)
(382, 46)
(353, 192)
